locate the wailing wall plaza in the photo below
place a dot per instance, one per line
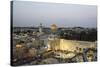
(70, 48)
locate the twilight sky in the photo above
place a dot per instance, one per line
(28, 13)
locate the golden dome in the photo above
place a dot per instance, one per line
(53, 27)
